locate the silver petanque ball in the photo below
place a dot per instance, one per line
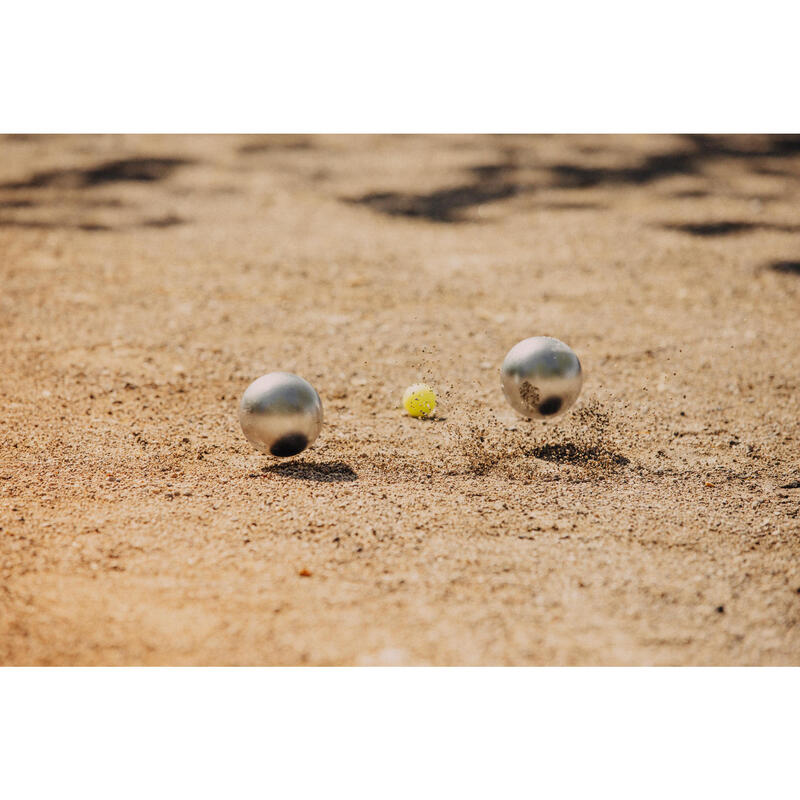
(280, 414)
(541, 377)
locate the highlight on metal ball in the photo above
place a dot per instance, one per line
(280, 414)
(541, 377)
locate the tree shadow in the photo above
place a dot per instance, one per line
(16, 204)
(145, 170)
(169, 221)
(689, 194)
(502, 180)
(729, 227)
(269, 142)
(444, 205)
(319, 471)
(701, 150)
(786, 267)
(573, 206)
(755, 146)
(572, 176)
(90, 227)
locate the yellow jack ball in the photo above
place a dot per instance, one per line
(419, 400)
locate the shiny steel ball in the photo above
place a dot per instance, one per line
(280, 414)
(541, 377)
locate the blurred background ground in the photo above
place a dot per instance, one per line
(146, 280)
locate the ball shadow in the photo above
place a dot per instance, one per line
(319, 471)
(575, 453)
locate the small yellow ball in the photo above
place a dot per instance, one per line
(419, 400)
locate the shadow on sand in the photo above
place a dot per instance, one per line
(319, 471)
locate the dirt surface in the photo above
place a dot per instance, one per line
(146, 280)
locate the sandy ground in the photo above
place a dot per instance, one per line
(146, 280)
